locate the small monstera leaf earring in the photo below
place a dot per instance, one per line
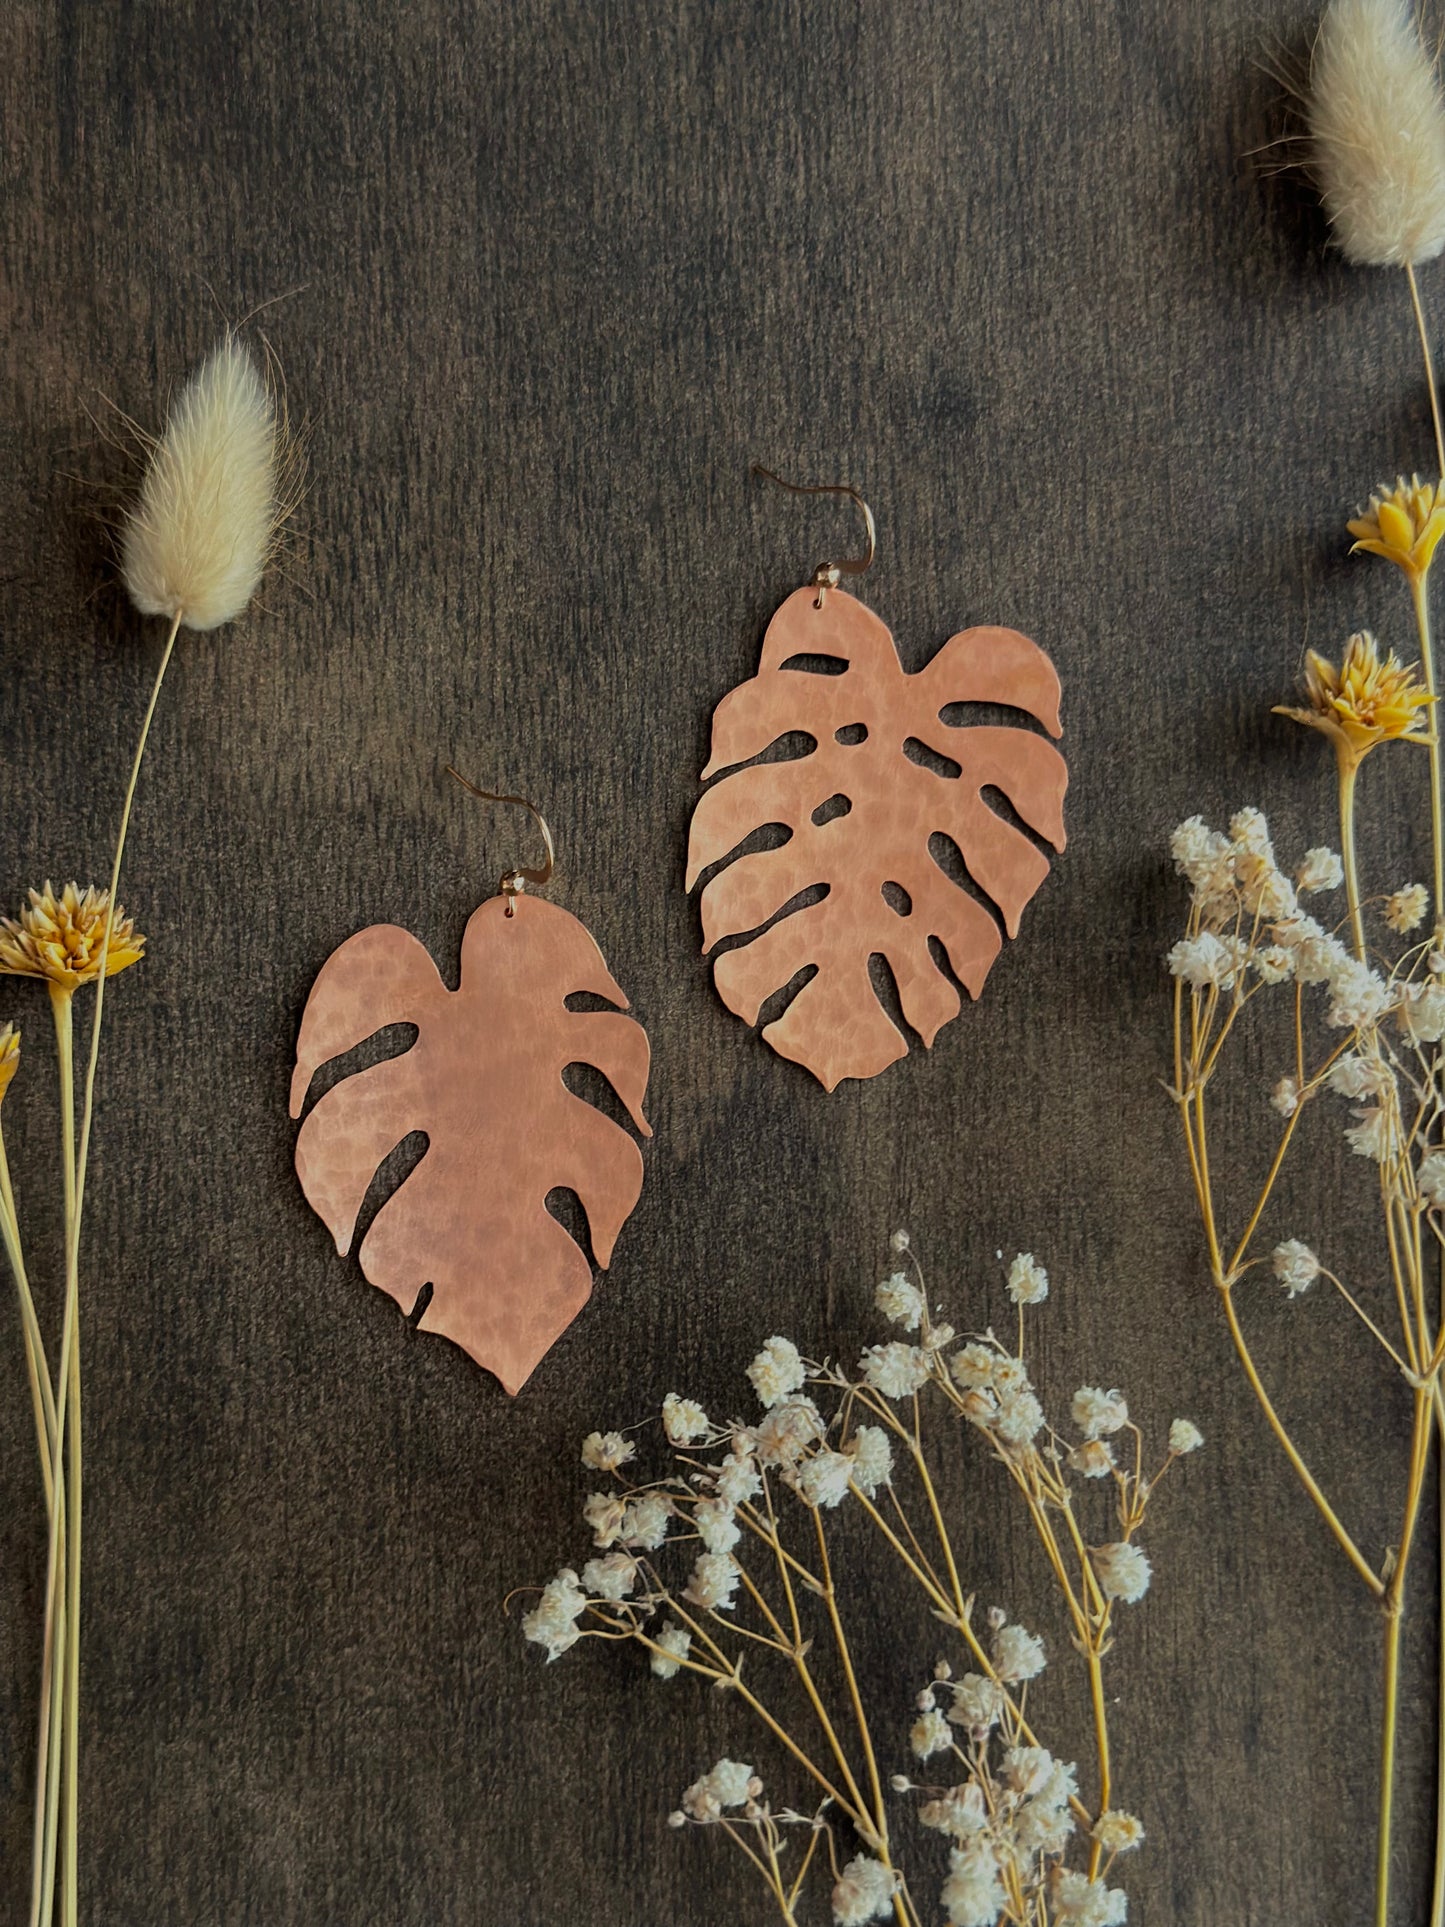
(894, 787)
(483, 1080)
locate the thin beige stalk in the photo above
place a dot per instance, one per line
(1425, 350)
(1420, 601)
(62, 1001)
(1348, 765)
(1394, 1605)
(68, 1379)
(37, 1369)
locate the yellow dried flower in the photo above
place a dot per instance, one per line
(1403, 524)
(1368, 700)
(59, 938)
(9, 1056)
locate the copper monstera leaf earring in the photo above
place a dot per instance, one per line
(484, 1081)
(892, 780)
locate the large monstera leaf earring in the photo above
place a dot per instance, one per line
(484, 1081)
(894, 788)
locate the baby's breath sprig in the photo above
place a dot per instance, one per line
(733, 1567)
(1358, 1027)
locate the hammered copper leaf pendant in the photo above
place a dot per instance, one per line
(862, 813)
(483, 1080)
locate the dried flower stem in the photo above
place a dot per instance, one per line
(1425, 349)
(36, 1367)
(1348, 767)
(1420, 599)
(64, 1567)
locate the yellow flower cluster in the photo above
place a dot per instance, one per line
(1404, 524)
(1369, 699)
(59, 939)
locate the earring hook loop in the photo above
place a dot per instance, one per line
(516, 881)
(827, 574)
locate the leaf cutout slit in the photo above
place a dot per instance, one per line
(898, 899)
(392, 1040)
(931, 759)
(851, 734)
(418, 1310)
(837, 805)
(810, 664)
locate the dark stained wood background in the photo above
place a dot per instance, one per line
(565, 271)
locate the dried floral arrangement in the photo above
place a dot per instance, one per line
(740, 1566)
(1353, 1001)
(217, 488)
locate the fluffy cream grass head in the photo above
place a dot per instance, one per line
(212, 501)
(1377, 134)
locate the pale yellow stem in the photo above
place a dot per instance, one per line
(1348, 766)
(1425, 349)
(1420, 600)
(37, 1368)
(68, 1380)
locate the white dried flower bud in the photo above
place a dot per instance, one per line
(1185, 1436)
(676, 1644)
(896, 1370)
(777, 1371)
(1285, 1097)
(606, 1451)
(1295, 1266)
(1432, 1178)
(1081, 1902)
(1321, 870)
(1118, 1832)
(728, 1784)
(683, 1420)
(714, 1581)
(1094, 1459)
(716, 1525)
(1422, 1011)
(1017, 1655)
(644, 1524)
(872, 1459)
(1098, 1413)
(604, 1512)
(612, 1577)
(900, 1301)
(1028, 1282)
(863, 1891)
(1203, 961)
(972, 1894)
(738, 1479)
(553, 1621)
(823, 1479)
(1274, 964)
(929, 1734)
(1405, 909)
(973, 1367)
(1123, 1571)
(1374, 1134)
(677, 1818)
(899, 1243)
(978, 1702)
(1356, 1076)
(1377, 134)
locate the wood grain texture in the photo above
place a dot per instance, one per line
(566, 269)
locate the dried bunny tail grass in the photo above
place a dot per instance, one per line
(217, 488)
(1377, 134)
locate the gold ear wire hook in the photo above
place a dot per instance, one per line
(827, 574)
(516, 881)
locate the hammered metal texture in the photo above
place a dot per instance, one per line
(860, 721)
(483, 1080)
